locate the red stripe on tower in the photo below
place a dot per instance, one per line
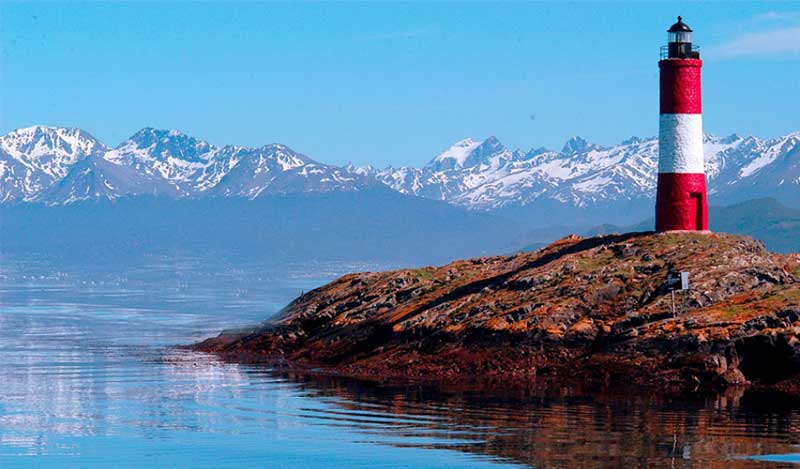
(681, 202)
(680, 86)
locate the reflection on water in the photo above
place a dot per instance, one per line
(561, 428)
(88, 378)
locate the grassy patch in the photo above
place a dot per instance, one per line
(783, 296)
(590, 264)
(423, 274)
(732, 311)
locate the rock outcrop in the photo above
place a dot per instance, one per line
(594, 309)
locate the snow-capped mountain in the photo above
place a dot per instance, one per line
(751, 167)
(95, 177)
(185, 163)
(276, 169)
(486, 175)
(57, 165)
(496, 177)
(33, 158)
(195, 167)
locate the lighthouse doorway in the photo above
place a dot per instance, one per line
(697, 203)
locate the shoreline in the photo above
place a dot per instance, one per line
(582, 383)
(593, 311)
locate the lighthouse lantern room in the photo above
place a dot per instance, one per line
(681, 202)
(679, 45)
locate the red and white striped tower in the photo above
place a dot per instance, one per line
(681, 202)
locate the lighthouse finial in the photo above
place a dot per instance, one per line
(680, 18)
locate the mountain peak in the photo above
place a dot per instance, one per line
(151, 133)
(484, 152)
(491, 144)
(164, 143)
(38, 128)
(536, 151)
(463, 143)
(467, 153)
(33, 158)
(35, 131)
(577, 145)
(455, 156)
(730, 139)
(41, 140)
(634, 139)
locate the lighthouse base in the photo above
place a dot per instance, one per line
(702, 232)
(681, 203)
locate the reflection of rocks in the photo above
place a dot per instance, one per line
(564, 427)
(589, 309)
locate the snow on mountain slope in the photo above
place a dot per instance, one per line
(94, 177)
(277, 169)
(52, 165)
(33, 158)
(488, 176)
(57, 165)
(768, 153)
(762, 168)
(183, 161)
(456, 156)
(497, 176)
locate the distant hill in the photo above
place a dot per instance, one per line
(777, 225)
(373, 225)
(376, 225)
(766, 219)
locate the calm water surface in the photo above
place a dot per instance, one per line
(88, 377)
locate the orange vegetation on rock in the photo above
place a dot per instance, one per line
(590, 309)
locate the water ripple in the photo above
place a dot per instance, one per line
(89, 378)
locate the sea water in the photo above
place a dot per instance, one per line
(89, 376)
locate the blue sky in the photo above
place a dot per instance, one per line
(388, 83)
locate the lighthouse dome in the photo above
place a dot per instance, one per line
(679, 27)
(680, 42)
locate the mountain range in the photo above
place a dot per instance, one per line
(56, 166)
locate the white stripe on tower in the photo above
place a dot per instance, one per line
(680, 143)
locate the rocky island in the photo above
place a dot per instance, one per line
(590, 310)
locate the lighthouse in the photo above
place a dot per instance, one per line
(681, 202)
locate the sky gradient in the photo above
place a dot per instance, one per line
(388, 83)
